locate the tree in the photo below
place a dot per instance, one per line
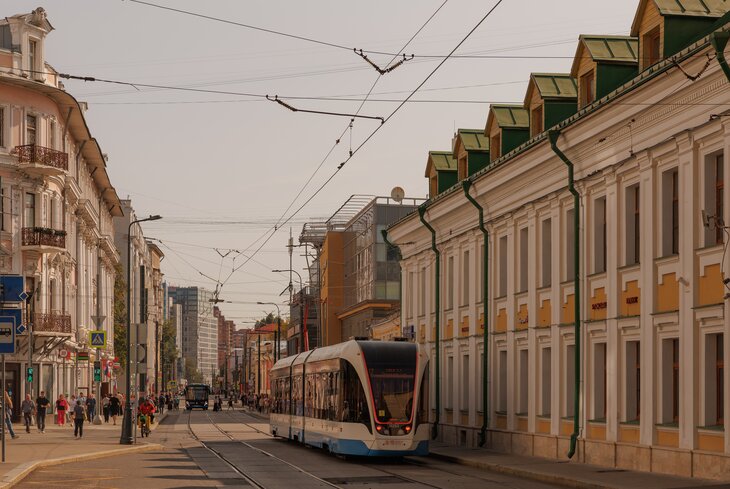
(192, 374)
(120, 315)
(170, 353)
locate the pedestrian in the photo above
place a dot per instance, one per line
(161, 404)
(69, 410)
(61, 408)
(8, 402)
(230, 403)
(114, 406)
(42, 405)
(78, 414)
(91, 407)
(27, 407)
(105, 407)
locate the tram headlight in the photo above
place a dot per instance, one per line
(408, 429)
(379, 428)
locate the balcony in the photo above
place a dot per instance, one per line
(40, 160)
(51, 323)
(43, 239)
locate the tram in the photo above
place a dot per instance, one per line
(196, 395)
(359, 398)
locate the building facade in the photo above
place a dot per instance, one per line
(56, 210)
(639, 272)
(199, 330)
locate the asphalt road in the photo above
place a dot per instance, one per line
(206, 449)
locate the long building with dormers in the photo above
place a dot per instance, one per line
(600, 329)
(56, 208)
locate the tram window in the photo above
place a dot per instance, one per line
(422, 413)
(355, 405)
(286, 400)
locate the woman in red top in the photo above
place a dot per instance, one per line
(61, 407)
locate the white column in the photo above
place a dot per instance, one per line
(532, 351)
(511, 357)
(613, 245)
(556, 353)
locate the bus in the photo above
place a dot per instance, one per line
(196, 396)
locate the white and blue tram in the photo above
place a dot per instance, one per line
(361, 398)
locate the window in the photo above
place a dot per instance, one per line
(2, 126)
(465, 387)
(502, 396)
(31, 123)
(409, 295)
(633, 380)
(523, 259)
(569, 380)
(547, 253)
(587, 89)
(536, 127)
(450, 284)
(545, 381)
(714, 379)
(651, 51)
(633, 221)
(599, 381)
(480, 387)
(495, 147)
(33, 55)
(422, 293)
(524, 381)
(670, 380)
(466, 266)
(481, 274)
(569, 245)
(29, 210)
(503, 266)
(714, 199)
(52, 135)
(599, 235)
(449, 384)
(670, 212)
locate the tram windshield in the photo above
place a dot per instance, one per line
(392, 371)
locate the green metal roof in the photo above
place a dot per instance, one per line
(441, 160)
(473, 139)
(510, 116)
(555, 85)
(684, 8)
(617, 49)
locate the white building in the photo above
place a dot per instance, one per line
(648, 152)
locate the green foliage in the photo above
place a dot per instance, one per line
(192, 374)
(170, 352)
(120, 315)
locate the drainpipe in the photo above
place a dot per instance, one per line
(421, 214)
(553, 137)
(719, 41)
(384, 232)
(466, 185)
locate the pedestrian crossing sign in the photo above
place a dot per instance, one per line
(97, 339)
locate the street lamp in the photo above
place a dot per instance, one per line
(126, 438)
(277, 336)
(301, 304)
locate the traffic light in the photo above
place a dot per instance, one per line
(97, 371)
(29, 374)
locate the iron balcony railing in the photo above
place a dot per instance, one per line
(51, 323)
(32, 153)
(44, 237)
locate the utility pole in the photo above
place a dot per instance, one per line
(291, 289)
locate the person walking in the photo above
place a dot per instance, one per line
(27, 407)
(230, 403)
(78, 413)
(69, 410)
(114, 406)
(42, 404)
(8, 413)
(91, 407)
(105, 407)
(61, 408)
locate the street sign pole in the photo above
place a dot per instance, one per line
(99, 324)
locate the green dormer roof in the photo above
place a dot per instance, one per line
(441, 161)
(473, 139)
(613, 49)
(511, 116)
(555, 85)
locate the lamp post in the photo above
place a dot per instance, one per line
(301, 304)
(277, 336)
(126, 438)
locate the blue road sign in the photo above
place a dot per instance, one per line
(12, 288)
(7, 334)
(97, 339)
(20, 329)
(16, 314)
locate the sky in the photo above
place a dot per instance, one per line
(224, 168)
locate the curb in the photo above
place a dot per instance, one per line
(20, 472)
(522, 473)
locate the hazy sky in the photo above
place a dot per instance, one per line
(222, 169)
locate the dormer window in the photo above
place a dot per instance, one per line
(651, 45)
(32, 55)
(536, 122)
(587, 88)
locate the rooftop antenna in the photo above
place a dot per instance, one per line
(397, 194)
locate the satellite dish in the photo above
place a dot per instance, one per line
(397, 194)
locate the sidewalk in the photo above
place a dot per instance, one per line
(58, 445)
(562, 472)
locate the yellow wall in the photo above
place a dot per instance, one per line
(464, 327)
(668, 293)
(568, 312)
(332, 261)
(630, 301)
(713, 442)
(710, 286)
(522, 320)
(599, 305)
(544, 314)
(585, 64)
(650, 18)
(501, 324)
(449, 333)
